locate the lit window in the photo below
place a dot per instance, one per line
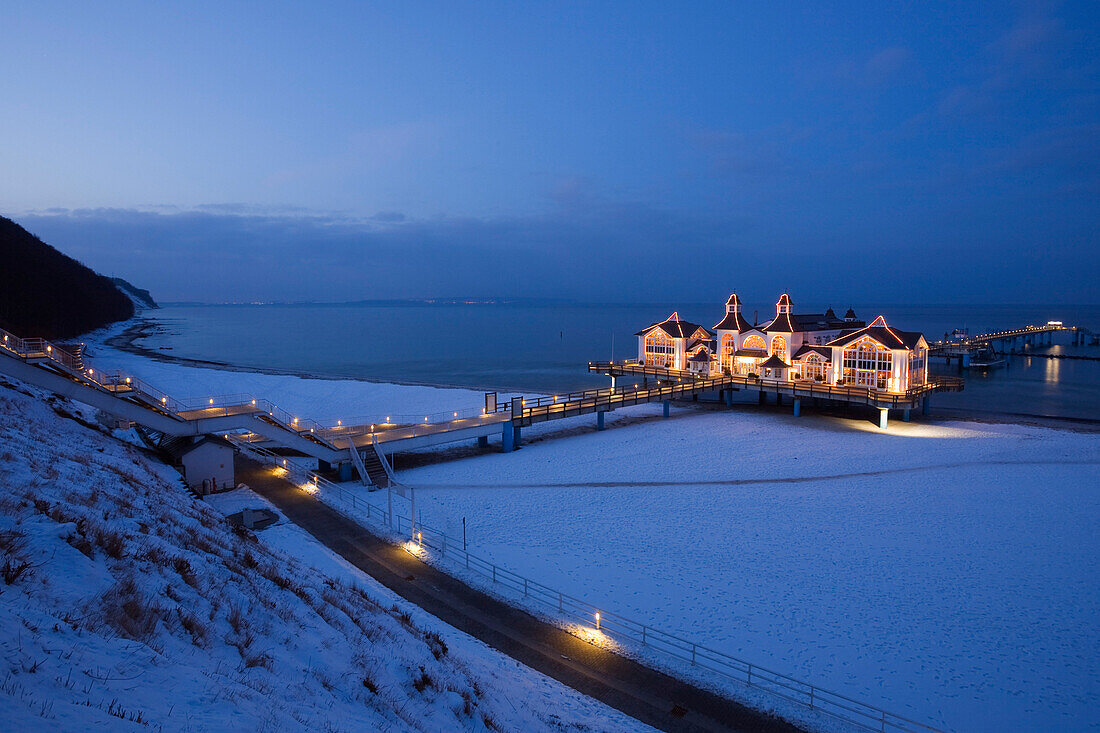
(779, 347)
(659, 349)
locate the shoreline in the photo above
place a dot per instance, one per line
(141, 326)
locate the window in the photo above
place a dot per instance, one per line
(779, 347)
(815, 368)
(917, 361)
(868, 364)
(725, 354)
(754, 342)
(659, 349)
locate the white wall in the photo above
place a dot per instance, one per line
(209, 461)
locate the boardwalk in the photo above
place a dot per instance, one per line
(643, 693)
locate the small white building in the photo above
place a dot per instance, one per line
(206, 462)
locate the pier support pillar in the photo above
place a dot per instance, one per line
(763, 397)
(483, 441)
(905, 415)
(778, 399)
(797, 407)
(729, 398)
(666, 404)
(508, 435)
(883, 417)
(344, 471)
(599, 420)
(966, 360)
(926, 406)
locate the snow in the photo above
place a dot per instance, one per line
(140, 607)
(323, 400)
(944, 571)
(947, 573)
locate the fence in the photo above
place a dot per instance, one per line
(801, 388)
(594, 618)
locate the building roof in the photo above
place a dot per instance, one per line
(733, 322)
(823, 322)
(674, 327)
(700, 356)
(782, 323)
(774, 363)
(177, 448)
(891, 338)
(830, 313)
(807, 349)
(751, 352)
(705, 343)
(850, 315)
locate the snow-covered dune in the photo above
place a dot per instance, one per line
(124, 601)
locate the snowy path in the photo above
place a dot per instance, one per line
(641, 692)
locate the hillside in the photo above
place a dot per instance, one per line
(44, 293)
(125, 602)
(141, 298)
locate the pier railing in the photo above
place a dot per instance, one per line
(587, 620)
(796, 388)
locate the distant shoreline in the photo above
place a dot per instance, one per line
(142, 326)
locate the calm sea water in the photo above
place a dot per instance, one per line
(543, 348)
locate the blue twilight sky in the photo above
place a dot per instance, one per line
(947, 152)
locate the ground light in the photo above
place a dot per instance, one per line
(597, 620)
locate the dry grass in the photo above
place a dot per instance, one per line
(199, 632)
(126, 610)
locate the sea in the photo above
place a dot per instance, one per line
(545, 347)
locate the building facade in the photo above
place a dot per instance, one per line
(673, 342)
(815, 347)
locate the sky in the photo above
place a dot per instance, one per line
(612, 152)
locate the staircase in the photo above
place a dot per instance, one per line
(376, 467)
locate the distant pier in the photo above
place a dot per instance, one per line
(965, 351)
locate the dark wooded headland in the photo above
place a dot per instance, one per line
(44, 293)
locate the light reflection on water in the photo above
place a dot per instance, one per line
(1053, 366)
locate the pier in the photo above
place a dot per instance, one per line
(795, 390)
(253, 421)
(1013, 341)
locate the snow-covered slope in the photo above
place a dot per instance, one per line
(124, 601)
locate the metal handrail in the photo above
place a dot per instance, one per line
(806, 388)
(594, 618)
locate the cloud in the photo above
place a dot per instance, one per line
(587, 249)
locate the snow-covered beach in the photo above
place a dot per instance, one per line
(126, 604)
(946, 571)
